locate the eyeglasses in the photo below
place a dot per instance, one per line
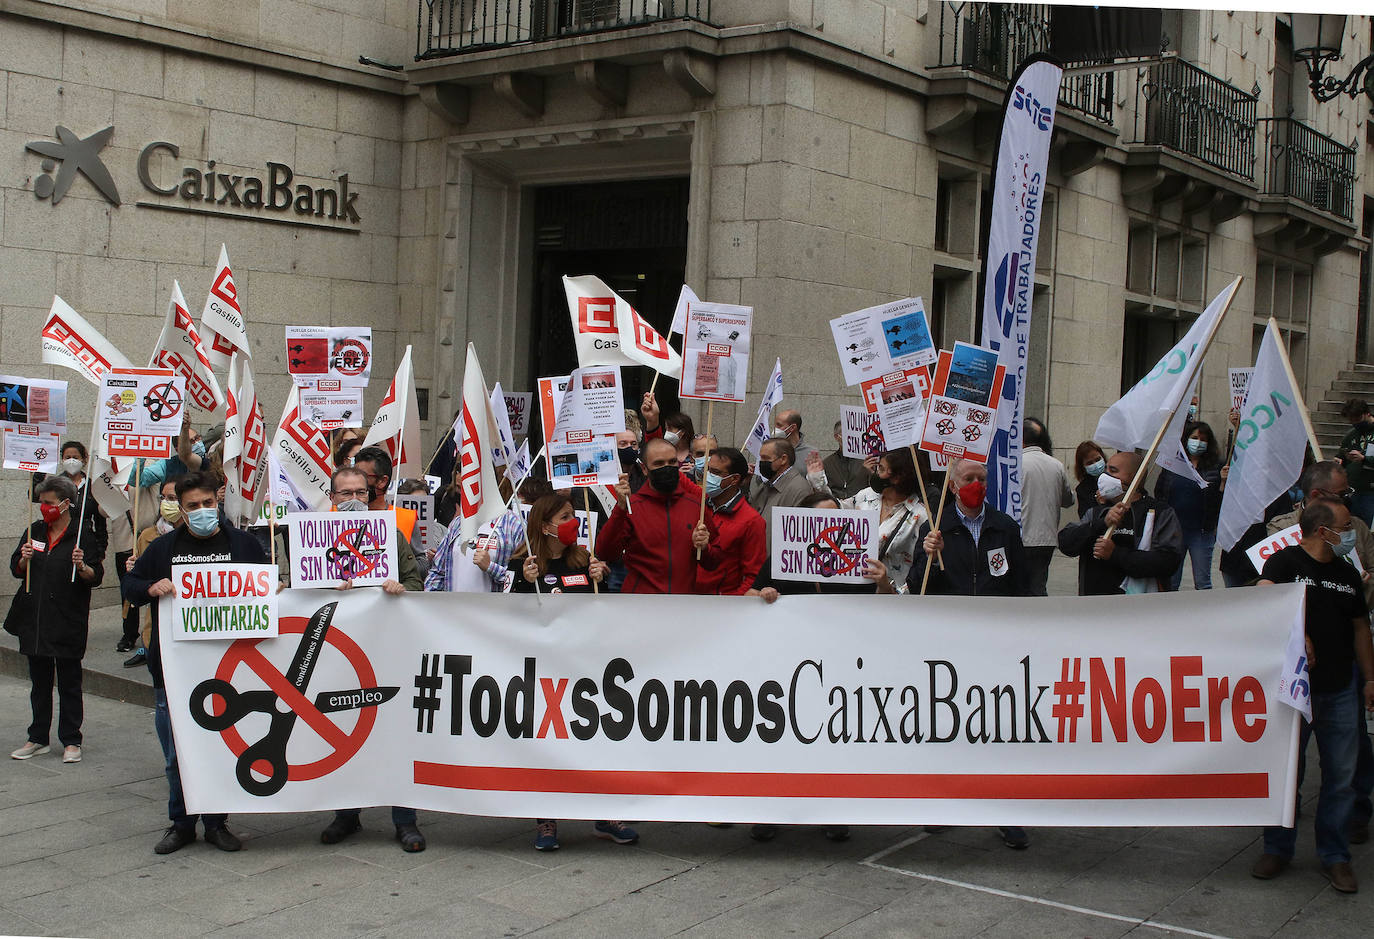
(352, 493)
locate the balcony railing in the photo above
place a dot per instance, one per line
(1188, 110)
(450, 27)
(994, 38)
(1308, 166)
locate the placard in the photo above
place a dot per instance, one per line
(332, 409)
(518, 405)
(30, 447)
(328, 548)
(881, 339)
(222, 601)
(960, 420)
(592, 403)
(583, 461)
(715, 351)
(902, 413)
(872, 389)
(1272, 544)
(551, 391)
(831, 545)
(426, 534)
(33, 401)
(586, 526)
(1240, 384)
(861, 434)
(140, 411)
(324, 353)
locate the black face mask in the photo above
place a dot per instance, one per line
(878, 483)
(629, 456)
(664, 479)
(766, 469)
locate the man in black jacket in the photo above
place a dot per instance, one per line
(205, 539)
(1106, 564)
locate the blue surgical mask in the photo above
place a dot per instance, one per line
(1345, 545)
(712, 485)
(1192, 412)
(198, 448)
(1097, 468)
(698, 467)
(202, 522)
(1196, 447)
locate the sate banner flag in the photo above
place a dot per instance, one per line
(302, 452)
(568, 707)
(610, 332)
(180, 349)
(222, 319)
(396, 428)
(71, 342)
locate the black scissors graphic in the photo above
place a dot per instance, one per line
(352, 555)
(271, 749)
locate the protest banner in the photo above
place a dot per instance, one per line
(518, 404)
(685, 298)
(427, 528)
(140, 411)
(330, 406)
(30, 447)
(580, 459)
(222, 601)
(1240, 383)
(902, 413)
(396, 427)
(715, 351)
(608, 331)
(763, 421)
(829, 545)
(503, 446)
(330, 547)
(341, 354)
(959, 418)
(861, 434)
(179, 348)
(222, 320)
(881, 339)
(872, 389)
(33, 401)
(301, 450)
(551, 391)
(71, 342)
(521, 707)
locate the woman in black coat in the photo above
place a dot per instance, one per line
(51, 614)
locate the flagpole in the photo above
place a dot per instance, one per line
(701, 516)
(138, 476)
(587, 507)
(939, 514)
(81, 518)
(1297, 391)
(921, 489)
(28, 570)
(1139, 477)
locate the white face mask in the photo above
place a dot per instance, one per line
(1110, 488)
(672, 437)
(71, 466)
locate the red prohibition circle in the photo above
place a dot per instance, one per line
(843, 562)
(236, 655)
(353, 364)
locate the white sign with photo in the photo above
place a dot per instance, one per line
(715, 351)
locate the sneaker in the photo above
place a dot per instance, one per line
(139, 657)
(618, 832)
(1342, 877)
(1268, 866)
(837, 832)
(546, 836)
(124, 645)
(763, 832)
(174, 839)
(1015, 838)
(223, 838)
(410, 838)
(340, 828)
(71, 754)
(30, 750)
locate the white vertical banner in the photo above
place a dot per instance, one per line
(1019, 180)
(763, 423)
(179, 348)
(396, 428)
(479, 501)
(68, 340)
(222, 318)
(301, 451)
(245, 445)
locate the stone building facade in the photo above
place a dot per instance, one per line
(807, 157)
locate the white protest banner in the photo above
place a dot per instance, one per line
(70, 341)
(302, 452)
(763, 422)
(593, 402)
(902, 413)
(426, 525)
(341, 354)
(959, 420)
(222, 601)
(861, 433)
(519, 467)
(551, 392)
(881, 339)
(245, 445)
(329, 407)
(608, 331)
(396, 428)
(586, 526)
(581, 459)
(1272, 544)
(715, 351)
(180, 349)
(222, 319)
(518, 404)
(330, 547)
(831, 545)
(140, 411)
(30, 447)
(1019, 173)
(503, 447)
(33, 401)
(1240, 383)
(919, 378)
(685, 298)
(479, 500)
(522, 707)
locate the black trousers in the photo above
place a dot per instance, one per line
(131, 613)
(1038, 566)
(42, 668)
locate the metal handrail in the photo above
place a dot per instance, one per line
(1309, 166)
(1189, 110)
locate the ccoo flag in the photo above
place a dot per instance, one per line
(180, 349)
(244, 446)
(396, 428)
(763, 424)
(479, 501)
(610, 332)
(301, 452)
(1018, 196)
(1270, 443)
(70, 341)
(1133, 421)
(222, 319)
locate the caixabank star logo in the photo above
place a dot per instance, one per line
(69, 156)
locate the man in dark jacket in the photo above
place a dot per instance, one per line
(741, 542)
(1104, 564)
(205, 539)
(655, 531)
(1357, 453)
(980, 545)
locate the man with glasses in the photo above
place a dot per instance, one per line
(1337, 638)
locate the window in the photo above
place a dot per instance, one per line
(1283, 290)
(1165, 291)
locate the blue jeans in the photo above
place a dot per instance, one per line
(176, 800)
(1333, 723)
(1362, 506)
(1197, 545)
(1363, 782)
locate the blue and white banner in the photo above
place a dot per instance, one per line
(763, 424)
(1019, 174)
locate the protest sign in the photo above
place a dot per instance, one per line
(503, 446)
(872, 389)
(861, 434)
(33, 401)
(427, 527)
(329, 353)
(960, 420)
(581, 459)
(551, 391)
(1272, 544)
(1240, 383)
(831, 545)
(593, 402)
(30, 447)
(140, 411)
(518, 404)
(330, 407)
(222, 601)
(330, 547)
(586, 526)
(902, 413)
(881, 339)
(715, 351)
(752, 715)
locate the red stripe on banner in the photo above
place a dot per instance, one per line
(846, 785)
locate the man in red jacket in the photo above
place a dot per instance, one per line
(655, 531)
(741, 536)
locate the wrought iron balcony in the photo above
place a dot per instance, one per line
(450, 27)
(1183, 108)
(1308, 166)
(994, 38)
